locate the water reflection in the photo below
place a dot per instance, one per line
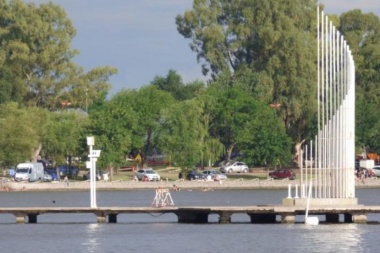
(330, 238)
(92, 237)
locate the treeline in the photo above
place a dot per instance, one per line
(260, 100)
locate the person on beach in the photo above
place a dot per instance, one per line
(175, 188)
(362, 176)
(66, 181)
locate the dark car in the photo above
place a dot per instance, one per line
(282, 173)
(66, 170)
(53, 173)
(98, 176)
(195, 175)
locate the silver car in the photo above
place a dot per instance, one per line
(47, 177)
(214, 175)
(232, 166)
(148, 174)
(376, 170)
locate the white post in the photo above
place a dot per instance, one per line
(93, 180)
(296, 194)
(310, 220)
(289, 191)
(303, 191)
(90, 143)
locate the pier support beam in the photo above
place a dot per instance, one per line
(347, 218)
(225, 217)
(192, 217)
(112, 218)
(359, 218)
(288, 218)
(20, 217)
(101, 217)
(32, 218)
(261, 218)
(332, 218)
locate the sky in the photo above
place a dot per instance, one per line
(140, 38)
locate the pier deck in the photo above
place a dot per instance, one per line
(195, 214)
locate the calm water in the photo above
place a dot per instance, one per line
(162, 233)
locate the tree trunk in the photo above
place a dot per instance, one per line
(36, 153)
(297, 157)
(110, 171)
(229, 152)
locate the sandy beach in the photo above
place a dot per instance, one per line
(7, 185)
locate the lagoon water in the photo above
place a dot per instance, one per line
(161, 233)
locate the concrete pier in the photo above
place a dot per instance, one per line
(257, 214)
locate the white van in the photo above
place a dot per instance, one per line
(29, 172)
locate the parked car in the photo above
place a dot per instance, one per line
(47, 177)
(66, 170)
(215, 175)
(29, 172)
(150, 174)
(53, 173)
(87, 176)
(282, 173)
(195, 175)
(376, 170)
(234, 166)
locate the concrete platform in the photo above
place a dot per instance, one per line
(258, 214)
(320, 202)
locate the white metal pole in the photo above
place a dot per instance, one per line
(296, 192)
(312, 162)
(94, 182)
(307, 161)
(317, 139)
(289, 191)
(91, 177)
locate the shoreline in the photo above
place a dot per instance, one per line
(188, 185)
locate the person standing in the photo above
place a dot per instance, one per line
(66, 181)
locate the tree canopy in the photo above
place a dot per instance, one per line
(173, 83)
(265, 46)
(362, 32)
(36, 58)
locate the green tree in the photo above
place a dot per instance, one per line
(173, 83)
(182, 132)
(265, 46)
(265, 142)
(64, 135)
(148, 104)
(362, 32)
(127, 123)
(112, 125)
(36, 58)
(246, 125)
(22, 133)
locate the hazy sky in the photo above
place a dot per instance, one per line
(140, 39)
